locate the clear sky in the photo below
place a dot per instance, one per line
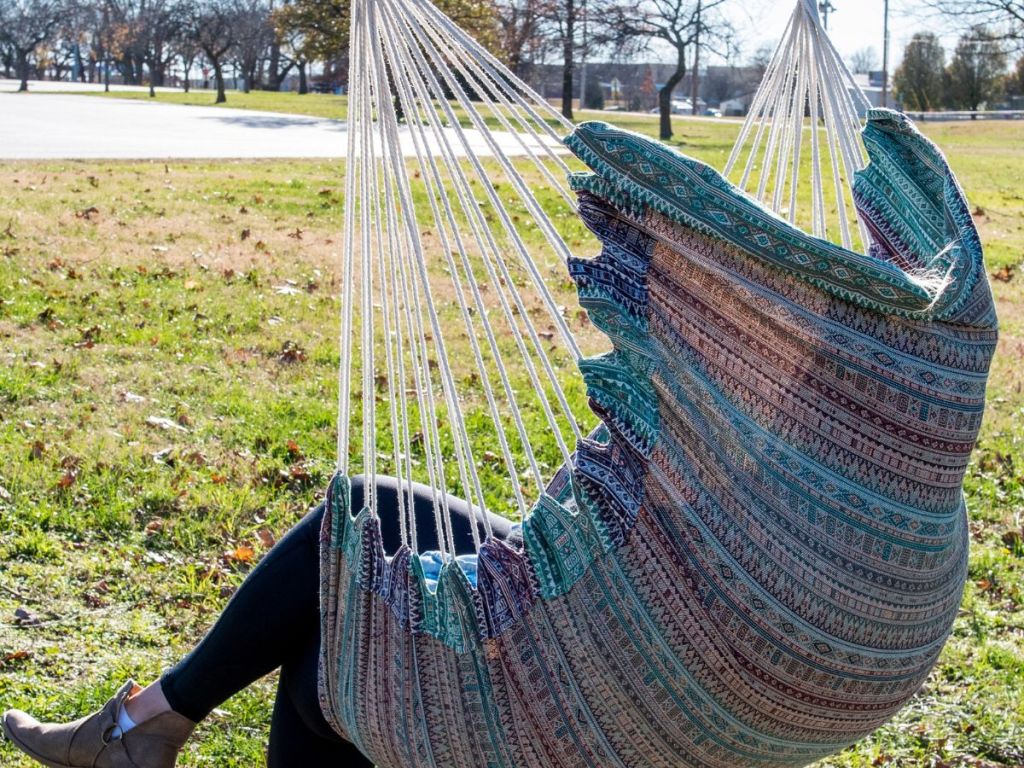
(855, 24)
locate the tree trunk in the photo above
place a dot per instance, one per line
(187, 64)
(303, 83)
(274, 77)
(568, 49)
(23, 71)
(277, 77)
(218, 73)
(665, 95)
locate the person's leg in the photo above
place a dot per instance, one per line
(272, 620)
(267, 621)
(283, 590)
(300, 737)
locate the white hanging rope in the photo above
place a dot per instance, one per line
(347, 308)
(493, 259)
(519, 247)
(438, 193)
(806, 75)
(444, 294)
(388, 123)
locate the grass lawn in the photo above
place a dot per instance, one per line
(168, 350)
(311, 104)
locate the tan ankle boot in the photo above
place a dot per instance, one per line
(96, 742)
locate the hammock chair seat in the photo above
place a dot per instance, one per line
(758, 559)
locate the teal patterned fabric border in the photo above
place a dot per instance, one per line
(634, 173)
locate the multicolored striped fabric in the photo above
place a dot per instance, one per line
(763, 560)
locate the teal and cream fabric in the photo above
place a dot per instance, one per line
(760, 559)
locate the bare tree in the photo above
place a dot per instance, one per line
(1015, 82)
(160, 24)
(24, 26)
(294, 51)
(1004, 19)
(864, 61)
(279, 63)
(254, 35)
(184, 44)
(6, 57)
(212, 25)
(563, 18)
(521, 38)
(978, 69)
(683, 24)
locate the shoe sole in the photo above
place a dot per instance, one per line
(38, 758)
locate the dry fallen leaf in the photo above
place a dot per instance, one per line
(162, 423)
(242, 554)
(292, 353)
(1004, 274)
(23, 617)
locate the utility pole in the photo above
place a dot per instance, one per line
(885, 59)
(568, 58)
(695, 77)
(825, 7)
(583, 59)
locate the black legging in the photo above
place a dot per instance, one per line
(273, 620)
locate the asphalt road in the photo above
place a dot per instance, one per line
(63, 126)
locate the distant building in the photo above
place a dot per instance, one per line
(640, 83)
(871, 86)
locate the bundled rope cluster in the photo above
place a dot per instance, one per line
(806, 78)
(435, 245)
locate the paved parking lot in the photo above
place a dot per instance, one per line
(44, 125)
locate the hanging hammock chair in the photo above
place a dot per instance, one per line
(756, 554)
